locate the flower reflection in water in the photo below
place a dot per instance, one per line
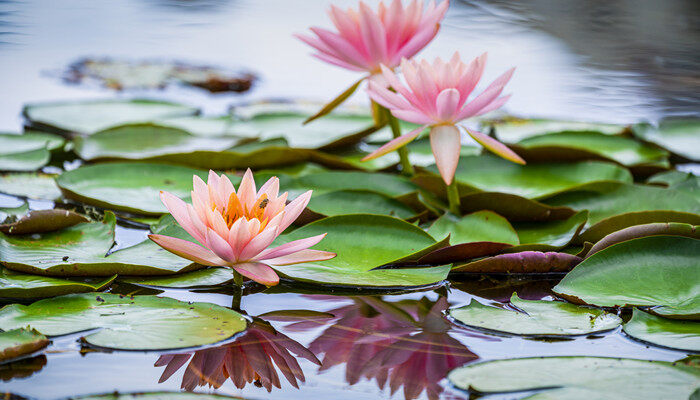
(405, 343)
(252, 357)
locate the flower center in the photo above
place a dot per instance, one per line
(236, 209)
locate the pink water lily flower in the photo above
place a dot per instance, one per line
(437, 96)
(235, 228)
(365, 38)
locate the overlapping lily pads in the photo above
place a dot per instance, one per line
(536, 318)
(678, 334)
(30, 185)
(27, 152)
(18, 342)
(16, 285)
(523, 262)
(200, 278)
(80, 251)
(88, 117)
(130, 187)
(580, 378)
(678, 135)
(650, 271)
(357, 202)
(481, 226)
(127, 323)
(38, 221)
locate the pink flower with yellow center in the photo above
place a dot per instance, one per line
(366, 39)
(437, 96)
(235, 228)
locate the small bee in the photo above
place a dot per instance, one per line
(263, 203)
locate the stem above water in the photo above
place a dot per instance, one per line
(453, 198)
(237, 290)
(406, 167)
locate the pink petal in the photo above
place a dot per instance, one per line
(271, 188)
(188, 250)
(338, 62)
(258, 243)
(373, 34)
(301, 256)
(258, 272)
(340, 47)
(289, 248)
(198, 224)
(487, 96)
(447, 104)
(396, 84)
(214, 192)
(386, 97)
(395, 144)
(495, 146)
(445, 142)
(239, 236)
(200, 190)
(416, 117)
(246, 190)
(293, 209)
(349, 29)
(226, 188)
(416, 43)
(496, 104)
(178, 209)
(219, 246)
(472, 76)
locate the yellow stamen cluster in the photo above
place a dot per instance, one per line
(236, 209)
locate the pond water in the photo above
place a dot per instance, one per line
(618, 62)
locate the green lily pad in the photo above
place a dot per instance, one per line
(621, 205)
(549, 235)
(27, 161)
(27, 152)
(536, 318)
(80, 251)
(38, 221)
(481, 226)
(512, 130)
(386, 184)
(650, 271)
(15, 285)
(677, 334)
(156, 396)
(580, 378)
(680, 136)
(677, 180)
(143, 142)
(127, 323)
(88, 117)
(364, 242)
(357, 202)
(207, 126)
(566, 146)
(18, 342)
(199, 278)
(513, 207)
(637, 231)
(130, 187)
(32, 185)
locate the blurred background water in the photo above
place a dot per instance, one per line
(612, 61)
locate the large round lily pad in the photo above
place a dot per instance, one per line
(357, 202)
(677, 334)
(536, 318)
(513, 130)
(200, 278)
(679, 135)
(18, 342)
(130, 187)
(650, 271)
(87, 117)
(80, 251)
(16, 285)
(364, 242)
(580, 378)
(481, 226)
(127, 323)
(549, 235)
(145, 141)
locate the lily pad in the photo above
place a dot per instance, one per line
(364, 242)
(637, 231)
(207, 126)
(18, 342)
(88, 117)
(80, 251)
(27, 152)
(38, 221)
(199, 278)
(513, 129)
(386, 184)
(514, 208)
(550, 235)
(130, 187)
(650, 271)
(580, 378)
(127, 323)
(481, 226)
(15, 285)
(32, 185)
(677, 334)
(567, 146)
(143, 142)
(536, 318)
(357, 202)
(677, 180)
(678, 135)
(524, 262)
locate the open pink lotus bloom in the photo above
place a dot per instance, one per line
(437, 96)
(235, 228)
(365, 39)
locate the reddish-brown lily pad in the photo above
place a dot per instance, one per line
(521, 263)
(39, 221)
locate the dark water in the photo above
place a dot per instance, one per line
(608, 61)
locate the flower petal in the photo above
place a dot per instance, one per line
(416, 117)
(447, 104)
(289, 248)
(301, 256)
(258, 272)
(178, 209)
(487, 96)
(445, 141)
(271, 188)
(219, 246)
(246, 190)
(258, 243)
(495, 146)
(188, 250)
(395, 143)
(294, 209)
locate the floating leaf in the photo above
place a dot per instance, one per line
(357, 202)
(130, 187)
(481, 226)
(677, 334)
(80, 251)
(364, 242)
(207, 126)
(18, 342)
(680, 181)
(678, 135)
(199, 278)
(38, 221)
(88, 117)
(524, 262)
(536, 318)
(15, 285)
(550, 235)
(31, 185)
(145, 141)
(637, 231)
(514, 208)
(580, 378)
(650, 271)
(512, 130)
(386, 184)
(127, 323)
(27, 152)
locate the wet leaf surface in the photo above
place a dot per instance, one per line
(16, 285)
(18, 342)
(678, 135)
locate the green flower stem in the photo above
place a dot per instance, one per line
(406, 167)
(237, 291)
(453, 197)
